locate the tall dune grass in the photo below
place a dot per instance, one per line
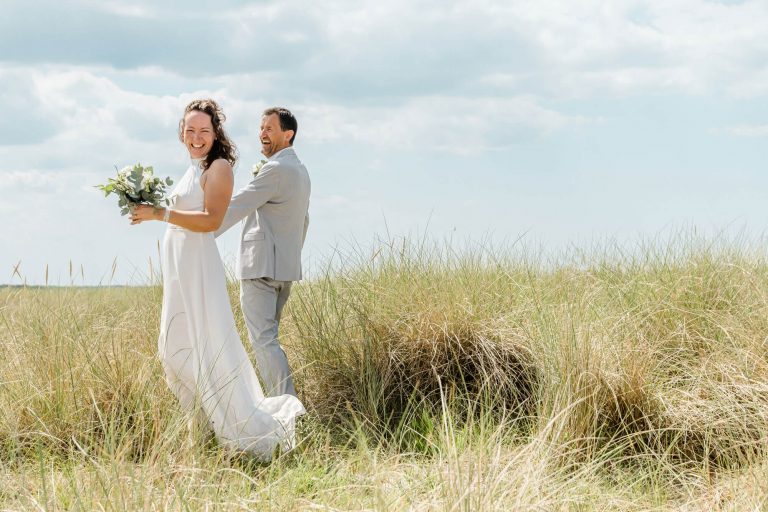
(436, 379)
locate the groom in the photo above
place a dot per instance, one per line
(275, 207)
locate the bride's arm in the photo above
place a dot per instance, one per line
(217, 189)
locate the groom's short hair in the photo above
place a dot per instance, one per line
(287, 120)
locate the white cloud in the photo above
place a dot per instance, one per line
(95, 123)
(121, 8)
(632, 46)
(619, 81)
(454, 124)
(747, 130)
(379, 50)
(29, 179)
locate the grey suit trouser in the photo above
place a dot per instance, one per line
(262, 301)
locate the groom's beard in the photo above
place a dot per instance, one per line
(270, 149)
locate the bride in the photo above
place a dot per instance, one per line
(204, 360)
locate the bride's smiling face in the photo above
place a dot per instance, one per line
(198, 133)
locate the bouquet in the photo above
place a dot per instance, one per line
(136, 185)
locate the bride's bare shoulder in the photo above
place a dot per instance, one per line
(219, 172)
(220, 165)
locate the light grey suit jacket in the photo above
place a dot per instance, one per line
(275, 205)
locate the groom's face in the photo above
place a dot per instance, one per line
(273, 138)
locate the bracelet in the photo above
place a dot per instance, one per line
(167, 215)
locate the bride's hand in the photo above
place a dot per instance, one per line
(145, 212)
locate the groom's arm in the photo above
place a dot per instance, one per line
(261, 189)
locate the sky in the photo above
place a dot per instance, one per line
(558, 122)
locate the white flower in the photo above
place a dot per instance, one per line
(257, 167)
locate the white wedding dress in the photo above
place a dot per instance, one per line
(204, 360)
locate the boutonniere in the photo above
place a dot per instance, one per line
(257, 167)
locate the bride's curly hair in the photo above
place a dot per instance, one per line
(222, 146)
